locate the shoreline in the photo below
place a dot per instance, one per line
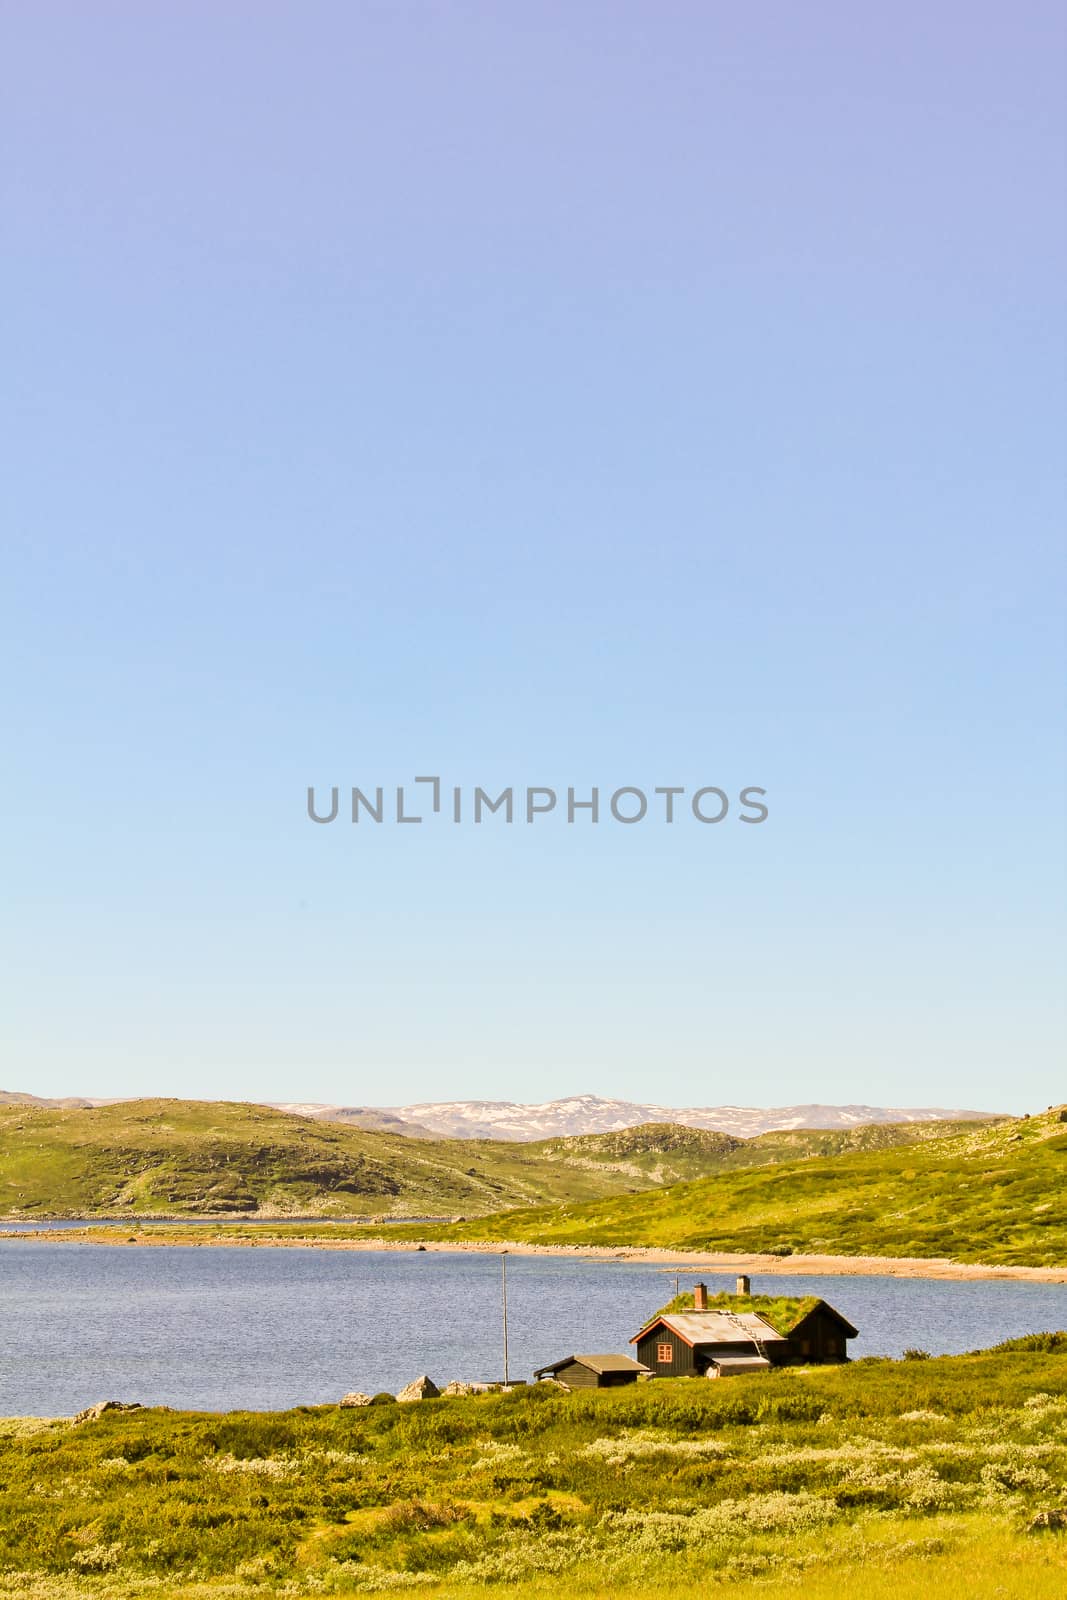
(797, 1265)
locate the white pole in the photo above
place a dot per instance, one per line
(504, 1298)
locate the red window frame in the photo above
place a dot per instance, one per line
(664, 1351)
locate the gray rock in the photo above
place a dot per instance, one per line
(91, 1413)
(423, 1388)
(1053, 1520)
(356, 1398)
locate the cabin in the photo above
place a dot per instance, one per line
(708, 1344)
(734, 1334)
(594, 1372)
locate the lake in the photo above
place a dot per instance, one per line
(264, 1328)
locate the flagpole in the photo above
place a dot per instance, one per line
(504, 1301)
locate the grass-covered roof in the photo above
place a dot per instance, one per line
(782, 1311)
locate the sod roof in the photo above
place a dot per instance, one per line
(783, 1312)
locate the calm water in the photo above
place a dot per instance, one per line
(217, 1328)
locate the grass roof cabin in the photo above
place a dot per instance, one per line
(695, 1335)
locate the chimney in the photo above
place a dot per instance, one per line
(743, 1285)
(700, 1297)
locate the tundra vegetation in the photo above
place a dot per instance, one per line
(879, 1479)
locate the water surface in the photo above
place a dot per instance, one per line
(216, 1327)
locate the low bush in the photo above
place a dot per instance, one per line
(771, 1476)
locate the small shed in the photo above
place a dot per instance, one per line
(594, 1372)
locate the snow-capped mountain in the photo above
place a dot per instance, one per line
(576, 1114)
(589, 1113)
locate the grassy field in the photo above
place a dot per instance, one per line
(993, 1194)
(881, 1478)
(180, 1157)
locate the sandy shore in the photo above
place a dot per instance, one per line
(713, 1261)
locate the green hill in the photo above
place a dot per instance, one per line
(991, 1194)
(802, 1144)
(182, 1157)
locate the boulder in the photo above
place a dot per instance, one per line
(91, 1413)
(423, 1388)
(1054, 1520)
(356, 1398)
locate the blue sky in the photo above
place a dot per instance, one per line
(549, 394)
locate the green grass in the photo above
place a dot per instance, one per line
(993, 1194)
(873, 1479)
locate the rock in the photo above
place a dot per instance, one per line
(456, 1388)
(356, 1398)
(1054, 1520)
(423, 1388)
(91, 1413)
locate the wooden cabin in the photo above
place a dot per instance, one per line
(695, 1344)
(733, 1334)
(594, 1372)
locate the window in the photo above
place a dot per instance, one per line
(664, 1352)
(805, 1347)
(833, 1348)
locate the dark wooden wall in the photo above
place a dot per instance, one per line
(575, 1376)
(817, 1339)
(681, 1364)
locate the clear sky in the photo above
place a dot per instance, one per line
(534, 394)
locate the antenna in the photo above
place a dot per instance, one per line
(504, 1302)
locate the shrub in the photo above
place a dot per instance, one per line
(1049, 1344)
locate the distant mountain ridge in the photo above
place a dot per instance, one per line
(520, 1122)
(516, 1121)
